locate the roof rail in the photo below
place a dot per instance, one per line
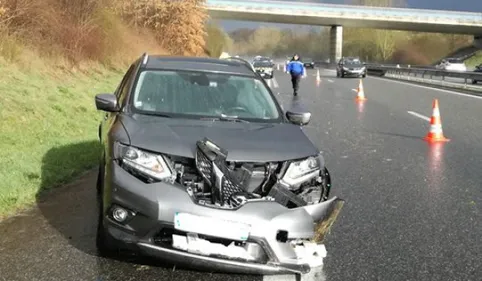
(145, 57)
(247, 63)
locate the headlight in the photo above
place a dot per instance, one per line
(345, 68)
(149, 164)
(301, 171)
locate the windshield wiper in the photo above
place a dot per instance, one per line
(156, 114)
(225, 118)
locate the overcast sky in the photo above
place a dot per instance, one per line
(455, 5)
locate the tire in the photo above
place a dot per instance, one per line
(105, 243)
(474, 82)
(364, 75)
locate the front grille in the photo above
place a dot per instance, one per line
(204, 165)
(223, 185)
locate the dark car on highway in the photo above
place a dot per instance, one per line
(265, 68)
(308, 63)
(201, 166)
(351, 66)
(478, 69)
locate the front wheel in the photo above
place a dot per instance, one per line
(105, 243)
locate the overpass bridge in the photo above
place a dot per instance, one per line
(338, 16)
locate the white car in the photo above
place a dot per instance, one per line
(452, 64)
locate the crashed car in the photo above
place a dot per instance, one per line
(200, 166)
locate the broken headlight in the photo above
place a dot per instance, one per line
(304, 170)
(143, 163)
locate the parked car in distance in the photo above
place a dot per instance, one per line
(351, 66)
(264, 68)
(452, 64)
(308, 63)
(478, 69)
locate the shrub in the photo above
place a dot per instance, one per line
(178, 25)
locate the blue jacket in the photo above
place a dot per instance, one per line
(295, 67)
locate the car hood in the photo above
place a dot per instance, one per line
(251, 142)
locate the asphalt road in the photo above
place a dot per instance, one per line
(413, 210)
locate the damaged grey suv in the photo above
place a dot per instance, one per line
(200, 166)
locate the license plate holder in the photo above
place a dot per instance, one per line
(211, 226)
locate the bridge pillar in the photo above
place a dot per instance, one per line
(336, 43)
(478, 41)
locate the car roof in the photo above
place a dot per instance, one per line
(229, 66)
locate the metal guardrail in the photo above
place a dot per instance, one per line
(427, 75)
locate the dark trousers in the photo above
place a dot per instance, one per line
(295, 80)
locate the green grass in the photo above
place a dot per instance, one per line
(48, 129)
(474, 61)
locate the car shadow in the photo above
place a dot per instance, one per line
(70, 207)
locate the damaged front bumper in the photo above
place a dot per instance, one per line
(260, 237)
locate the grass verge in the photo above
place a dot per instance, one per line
(41, 111)
(475, 60)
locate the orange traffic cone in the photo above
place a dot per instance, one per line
(360, 92)
(436, 133)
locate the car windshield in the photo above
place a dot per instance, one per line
(197, 95)
(353, 62)
(455, 61)
(262, 64)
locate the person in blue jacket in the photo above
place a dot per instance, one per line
(297, 70)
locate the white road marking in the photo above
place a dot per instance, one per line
(275, 83)
(419, 115)
(430, 88)
(331, 81)
(354, 90)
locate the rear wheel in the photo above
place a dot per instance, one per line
(474, 81)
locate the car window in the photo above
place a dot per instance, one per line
(124, 87)
(195, 94)
(353, 62)
(457, 61)
(262, 64)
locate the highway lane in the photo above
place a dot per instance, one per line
(413, 210)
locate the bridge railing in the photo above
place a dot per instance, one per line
(430, 75)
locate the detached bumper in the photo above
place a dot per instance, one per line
(152, 227)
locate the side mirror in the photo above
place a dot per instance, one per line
(298, 117)
(106, 102)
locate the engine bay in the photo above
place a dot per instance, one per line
(213, 181)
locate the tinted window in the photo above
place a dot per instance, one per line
(353, 62)
(195, 94)
(262, 64)
(455, 61)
